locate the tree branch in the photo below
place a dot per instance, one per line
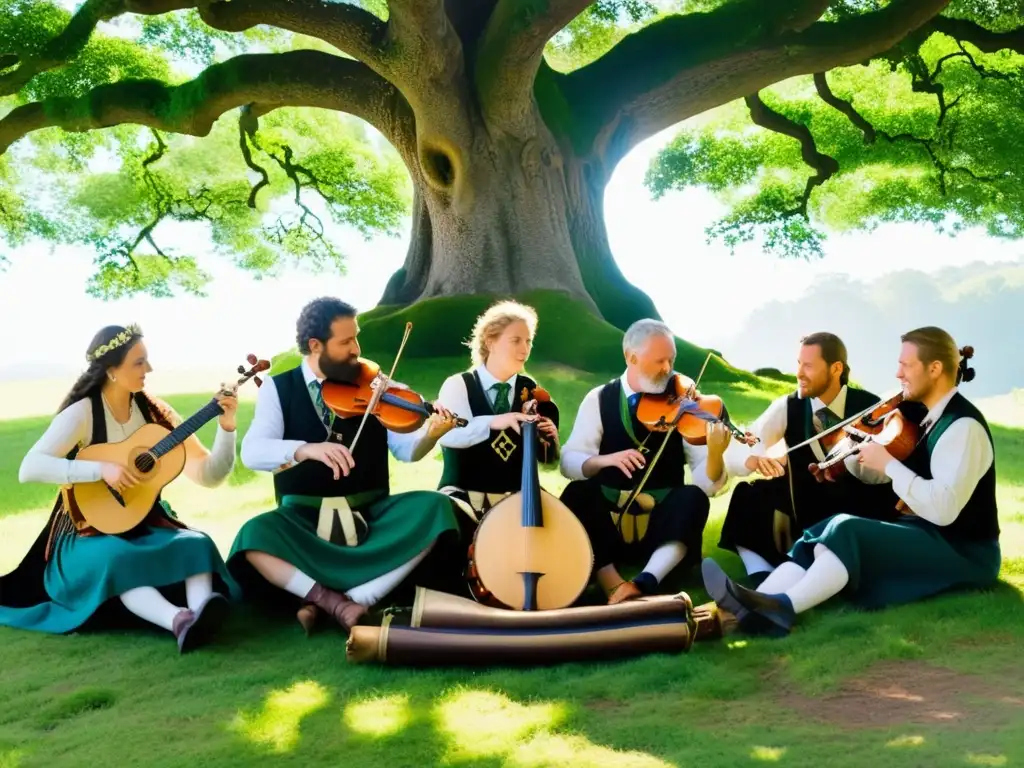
(345, 26)
(266, 81)
(825, 165)
(983, 39)
(510, 53)
(684, 65)
(429, 47)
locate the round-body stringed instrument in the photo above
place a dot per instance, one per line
(154, 455)
(683, 408)
(530, 552)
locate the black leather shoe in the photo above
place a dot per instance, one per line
(716, 582)
(775, 608)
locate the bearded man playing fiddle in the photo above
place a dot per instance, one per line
(766, 516)
(947, 536)
(607, 455)
(339, 541)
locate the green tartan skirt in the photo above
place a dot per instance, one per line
(890, 563)
(400, 527)
(84, 572)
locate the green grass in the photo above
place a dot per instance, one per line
(934, 684)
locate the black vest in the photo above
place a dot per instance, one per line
(815, 501)
(496, 464)
(667, 473)
(314, 478)
(979, 519)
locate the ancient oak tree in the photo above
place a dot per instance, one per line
(509, 117)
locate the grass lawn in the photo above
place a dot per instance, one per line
(935, 684)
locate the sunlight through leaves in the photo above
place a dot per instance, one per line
(768, 754)
(382, 716)
(906, 741)
(277, 725)
(489, 724)
(10, 759)
(988, 760)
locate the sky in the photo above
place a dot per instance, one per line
(702, 291)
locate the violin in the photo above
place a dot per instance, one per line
(886, 423)
(396, 408)
(682, 408)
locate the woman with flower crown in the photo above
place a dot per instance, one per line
(162, 571)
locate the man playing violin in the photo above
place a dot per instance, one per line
(947, 536)
(483, 461)
(766, 516)
(339, 540)
(608, 453)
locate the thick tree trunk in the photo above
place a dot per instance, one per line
(496, 214)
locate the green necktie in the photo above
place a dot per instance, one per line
(316, 392)
(501, 402)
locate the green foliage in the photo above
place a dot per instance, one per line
(599, 27)
(117, 190)
(958, 172)
(441, 327)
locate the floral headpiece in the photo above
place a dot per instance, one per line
(122, 338)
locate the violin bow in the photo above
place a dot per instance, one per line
(845, 422)
(381, 388)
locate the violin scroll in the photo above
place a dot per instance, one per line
(258, 366)
(963, 372)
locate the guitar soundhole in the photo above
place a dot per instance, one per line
(145, 462)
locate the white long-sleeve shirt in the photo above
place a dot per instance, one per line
(45, 461)
(585, 443)
(264, 448)
(960, 458)
(455, 398)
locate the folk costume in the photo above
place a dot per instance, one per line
(665, 523)
(948, 540)
(73, 573)
(484, 465)
(351, 534)
(767, 515)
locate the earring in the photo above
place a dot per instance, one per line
(112, 377)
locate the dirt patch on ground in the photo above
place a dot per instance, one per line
(914, 692)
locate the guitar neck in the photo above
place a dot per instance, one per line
(187, 428)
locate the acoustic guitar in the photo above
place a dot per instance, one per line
(154, 455)
(530, 552)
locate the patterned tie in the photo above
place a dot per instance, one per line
(501, 400)
(316, 392)
(824, 418)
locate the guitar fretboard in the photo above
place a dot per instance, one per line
(187, 428)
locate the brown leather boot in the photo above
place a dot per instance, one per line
(345, 611)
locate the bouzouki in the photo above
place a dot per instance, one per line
(530, 552)
(154, 455)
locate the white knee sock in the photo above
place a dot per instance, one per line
(299, 584)
(753, 562)
(665, 558)
(826, 577)
(369, 593)
(198, 587)
(148, 604)
(782, 578)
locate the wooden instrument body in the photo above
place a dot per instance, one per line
(97, 502)
(503, 549)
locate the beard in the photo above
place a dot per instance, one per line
(819, 387)
(346, 370)
(653, 385)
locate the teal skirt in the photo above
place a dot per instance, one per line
(890, 563)
(400, 527)
(84, 572)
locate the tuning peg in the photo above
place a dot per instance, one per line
(258, 380)
(241, 369)
(251, 358)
